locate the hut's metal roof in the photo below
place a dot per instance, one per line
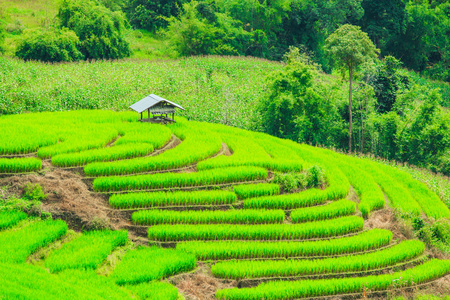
(150, 101)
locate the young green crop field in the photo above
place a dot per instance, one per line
(198, 208)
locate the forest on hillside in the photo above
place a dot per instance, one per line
(398, 97)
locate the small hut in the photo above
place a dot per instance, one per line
(159, 108)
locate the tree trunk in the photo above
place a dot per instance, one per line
(350, 111)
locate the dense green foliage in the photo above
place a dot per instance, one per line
(101, 31)
(49, 45)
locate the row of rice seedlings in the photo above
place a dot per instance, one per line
(399, 196)
(428, 271)
(277, 148)
(21, 138)
(370, 194)
(27, 134)
(17, 245)
(245, 191)
(86, 252)
(20, 165)
(338, 184)
(156, 135)
(248, 153)
(102, 154)
(154, 290)
(233, 216)
(332, 210)
(171, 180)
(365, 241)
(198, 143)
(430, 203)
(161, 199)
(310, 230)
(241, 269)
(86, 137)
(147, 264)
(10, 218)
(306, 198)
(26, 281)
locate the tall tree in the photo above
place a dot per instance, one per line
(349, 47)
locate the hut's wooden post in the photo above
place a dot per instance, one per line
(141, 116)
(149, 113)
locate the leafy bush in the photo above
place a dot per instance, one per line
(49, 45)
(34, 192)
(101, 31)
(313, 177)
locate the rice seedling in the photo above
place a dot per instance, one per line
(399, 196)
(430, 203)
(232, 216)
(240, 269)
(332, 210)
(10, 218)
(198, 143)
(368, 240)
(334, 227)
(154, 290)
(85, 137)
(430, 270)
(245, 191)
(246, 152)
(104, 154)
(305, 198)
(18, 244)
(161, 199)
(87, 251)
(25, 281)
(173, 180)
(156, 135)
(370, 194)
(147, 264)
(20, 165)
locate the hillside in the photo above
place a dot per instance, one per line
(227, 213)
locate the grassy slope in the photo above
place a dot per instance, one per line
(34, 13)
(214, 89)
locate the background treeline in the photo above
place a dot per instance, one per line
(415, 32)
(397, 114)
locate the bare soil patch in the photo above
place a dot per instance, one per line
(200, 284)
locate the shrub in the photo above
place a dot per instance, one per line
(49, 45)
(99, 29)
(34, 192)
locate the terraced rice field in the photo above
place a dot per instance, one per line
(209, 201)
